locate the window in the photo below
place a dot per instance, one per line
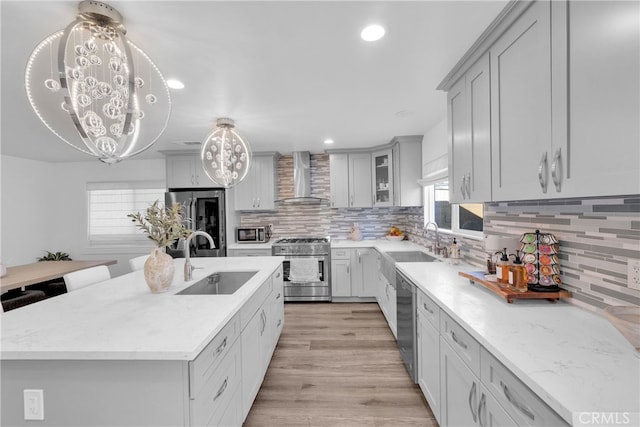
(109, 203)
(464, 218)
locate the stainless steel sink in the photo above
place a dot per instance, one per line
(411, 256)
(389, 259)
(219, 283)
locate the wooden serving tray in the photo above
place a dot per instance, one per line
(508, 294)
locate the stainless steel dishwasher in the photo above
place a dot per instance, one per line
(406, 304)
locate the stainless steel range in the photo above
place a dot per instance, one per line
(306, 268)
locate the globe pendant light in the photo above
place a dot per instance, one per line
(95, 89)
(225, 155)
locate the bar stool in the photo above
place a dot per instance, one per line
(17, 298)
(137, 263)
(89, 276)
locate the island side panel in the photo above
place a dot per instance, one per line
(97, 392)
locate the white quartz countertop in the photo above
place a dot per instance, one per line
(120, 319)
(266, 245)
(575, 360)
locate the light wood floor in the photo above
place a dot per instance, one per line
(337, 364)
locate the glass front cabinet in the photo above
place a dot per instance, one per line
(382, 177)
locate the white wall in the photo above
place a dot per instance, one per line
(52, 213)
(435, 152)
(434, 142)
(28, 204)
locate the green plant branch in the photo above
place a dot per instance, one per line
(162, 225)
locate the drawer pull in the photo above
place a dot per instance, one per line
(278, 296)
(481, 405)
(427, 308)
(458, 341)
(472, 394)
(278, 275)
(221, 347)
(221, 390)
(279, 323)
(519, 406)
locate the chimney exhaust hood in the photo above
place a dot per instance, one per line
(302, 181)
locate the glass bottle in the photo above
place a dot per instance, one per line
(502, 269)
(518, 275)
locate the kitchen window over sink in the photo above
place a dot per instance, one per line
(464, 218)
(109, 203)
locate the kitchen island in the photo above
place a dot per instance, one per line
(116, 354)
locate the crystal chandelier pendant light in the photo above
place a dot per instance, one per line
(225, 155)
(95, 89)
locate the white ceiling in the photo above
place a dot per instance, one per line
(290, 73)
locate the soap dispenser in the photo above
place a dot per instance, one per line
(518, 274)
(502, 268)
(454, 252)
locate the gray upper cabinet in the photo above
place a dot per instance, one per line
(258, 191)
(521, 107)
(382, 169)
(563, 93)
(385, 175)
(596, 97)
(407, 170)
(469, 133)
(350, 177)
(186, 171)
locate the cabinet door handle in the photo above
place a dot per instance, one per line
(481, 406)
(359, 256)
(468, 187)
(347, 269)
(458, 341)
(258, 199)
(222, 388)
(556, 170)
(278, 296)
(542, 172)
(279, 323)
(263, 322)
(464, 178)
(472, 396)
(427, 308)
(221, 347)
(518, 405)
(278, 275)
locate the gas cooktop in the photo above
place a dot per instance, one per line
(298, 240)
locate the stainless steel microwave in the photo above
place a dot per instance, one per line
(253, 234)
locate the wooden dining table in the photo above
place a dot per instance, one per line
(37, 272)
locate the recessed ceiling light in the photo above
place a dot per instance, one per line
(372, 33)
(404, 113)
(175, 84)
(328, 141)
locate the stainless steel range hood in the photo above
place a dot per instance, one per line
(302, 181)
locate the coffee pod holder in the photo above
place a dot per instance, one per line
(541, 260)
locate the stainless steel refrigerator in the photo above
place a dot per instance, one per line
(203, 210)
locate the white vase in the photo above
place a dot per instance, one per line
(158, 271)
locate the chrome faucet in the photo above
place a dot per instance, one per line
(436, 247)
(188, 268)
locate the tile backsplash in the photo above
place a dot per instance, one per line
(598, 236)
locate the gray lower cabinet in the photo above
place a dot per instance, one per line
(354, 273)
(428, 321)
(262, 319)
(249, 252)
(477, 390)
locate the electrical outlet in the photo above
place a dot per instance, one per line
(633, 273)
(33, 405)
